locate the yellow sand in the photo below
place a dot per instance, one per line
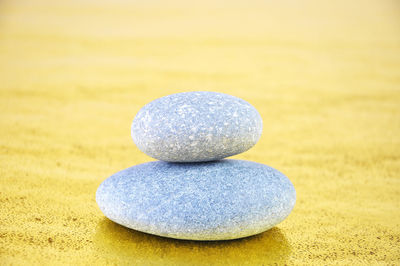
(325, 76)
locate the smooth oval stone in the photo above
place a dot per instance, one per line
(196, 126)
(218, 200)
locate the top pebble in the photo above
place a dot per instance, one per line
(196, 127)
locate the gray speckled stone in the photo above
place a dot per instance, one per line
(201, 201)
(196, 126)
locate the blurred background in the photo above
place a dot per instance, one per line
(324, 75)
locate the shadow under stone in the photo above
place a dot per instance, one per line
(122, 245)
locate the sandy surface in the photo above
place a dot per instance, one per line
(325, 76)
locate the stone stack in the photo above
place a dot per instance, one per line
(193, 192)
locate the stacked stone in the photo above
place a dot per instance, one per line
(193, 192)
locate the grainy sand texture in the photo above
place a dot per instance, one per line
(324, 75)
